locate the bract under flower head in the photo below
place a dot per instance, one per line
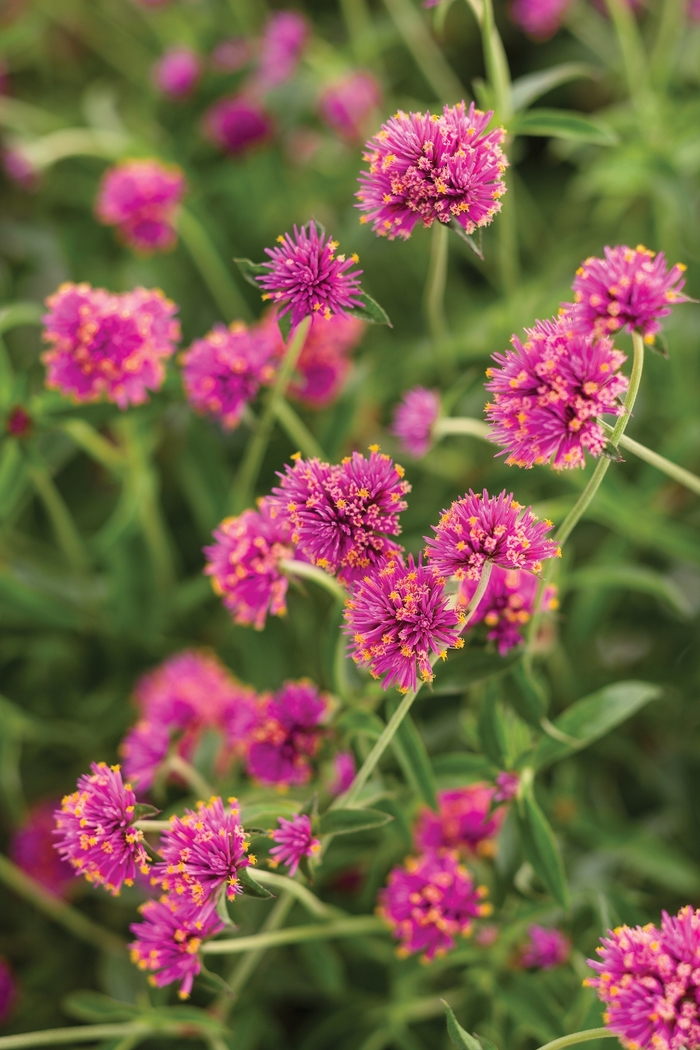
(295, 840)
(223, 371)
(630, 288)
(341, 515)
(540, 19)
(478, 528)
(32, 850)
(237, 123)
(545, 949)
(289, 736)
(244, 565)
(414, 419)
(203, 851)
(168, 941)
(397, 618)
(464, 821)
(95, 829)
(177, 72)
(324, 361)
(429, 901)
(282, 44)
(548, 393)
(425, 168)
(307, 277)
(105, 346)
(346, 106)
(506, 606)
(141, 198)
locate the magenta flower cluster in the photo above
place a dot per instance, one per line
(347, 105)
(177, 71)
(324, 362)
(168, 941)
(295, 841)
(141, 198)
(290, 734)
(507, 605)
(466, 820)
(545, 949)
(540, 19)
(414, 420)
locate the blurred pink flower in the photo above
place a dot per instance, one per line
(283, 42)
(18, 169)
(344, 772)
(507, 785)
(347, 105)
(141, 198)
(230, 55)
(324, 362)
(545, 949)
(8, 991)
(290, 735)
(177, 72)
(237, 123)
(32, 850)
(464, 820)
(414, 418)
(507, 604)
(540, 19)
(694, 10)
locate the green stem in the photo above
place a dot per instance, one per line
(18, 314)
(426, 53)
(96, 446)
(478, 594)
(69, 539)
(152, 825)
(460, 425)
(213, 271)
(311, 572)
(57, 909)
(247, 476)
(668, 35)
(680, 474)
(305, 897)
(496, 63)
(370, 763)
(244, 968)
(297, 431)
(434, 300)
(352, 927)
(578, 1037)
(191, 776)
(145, 484)
(358, 23)
(634, 58)
(89, 1033)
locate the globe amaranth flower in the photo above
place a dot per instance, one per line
(545, 949)
(203, 852)
(244, 565)
(289, 736)
(630, 288)
(425, 168)
(283, 41)
(548, 393)
(141, 198)
(222, 372)
(168, 941)
(324, 362)
(95, 830)
(540, 19)
(649, 980)
(694, 10)
(397, 619)
(105, 346)
(507, 785)
(18, 168)
(236, 123)
(177, 72)
(230, 55)
(429, 901)
(346, 106)
(465, 820)
(32, 850)
(479, 528)
(295, 840)
(414, 419)
(307, 277)
(8, 991)
(506, 606)
(344, 769)
(342, 515)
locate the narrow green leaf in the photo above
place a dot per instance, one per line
(637, 578)
(459, 1037)
(250, 887)
(250, 270)
(563, 124)
(370, 311)
(348, 821)
(86, 1005)
(464, 765)
(533, 700)
(413, 758)
(541, 849)
(142, 811)
(356, 722)
(492, 728)
(526, 90)
(476, 246)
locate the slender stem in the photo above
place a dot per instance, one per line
(426, 53)
(19, 314)
(244, 484)
(670, 27)
(481, 586)
(213, 271)
(578, 1037)
(321, 931)
(680, 474)
(145, 483)
(460, 425)
(191, 776)
(312, 572)
(368, 766)
(69, 539)
(152, 825)
(297, 431)
(496, 63)
(57, 909)
(634, 57)
(434, 300)
(89, 1033)
(305, 897)
(92, 442)
(358, 23)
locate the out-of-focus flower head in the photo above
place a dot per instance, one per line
(244, 565)
(630, 288)
(540, 19)
(307, 278)
(8, 991)
(548, 393)
(19, 168)
(141, 198)
(425, 168)
(223, 371)
(342, 515)
(464, 821)
(545, 948)
(324, 361)
(694, 10)
(177, 72)
(347, 105)
(429, 901)
(414, 419)
(290, 735)
(343, 772)
(230, 55)
(506, 606)
(478, 528)
(295, 840)
(237, 123)
(396, 619)
(168, 941)
(282, 44)
(32, 850)
(507, 785)
(19, 423)
(95, 830)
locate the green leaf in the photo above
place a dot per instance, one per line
(541, 849)
(594, 716)
(463, 764)
(20, 314)
(476, 246)
(251, 270)
(637, 578)
(348, 821)
(86, 1005)
(142, 811)
(413, 758)
(533, 700)
(563, 124)
(525, 90)
(370, 311)
(250, 887)
(492, 728)
(356, 722)
(460, 1038)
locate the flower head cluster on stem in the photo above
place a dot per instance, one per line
(141, 198)
(289, 736)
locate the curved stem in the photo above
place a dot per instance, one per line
(305, 571)
(194, 779)
(321, 931)
(18, 314)
(69, 539)
(460, 425)
(297, 431)
(481, 586)
(94, 444)
(434, 299)
(680, 474)
(211, 267)
(578, 1037)
(89, 1033)
(305, 897)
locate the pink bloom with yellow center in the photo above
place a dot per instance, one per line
(237, 123)
(464, 821)
(295, 841)
(414, 419)
(540, 19)
(32, 849)
(347, 105)
(141, 198)
(429, 901)
(177, 72)
(545, 949)
(95, 830)
(168, 941)
(282, 44)
(289, 736)
(108, 347)
(507, 605)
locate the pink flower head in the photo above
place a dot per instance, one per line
(347, 105)
(307, 277)
(168, 941)
(244, 564)
(429, 901)
(414, 418)
(548, 393)
(95, 830)
(19, 423)
(290, 735)
(106, 346)
(223, 371)
(295, 841)
(8, 991)
(630, 288)
(230, 55)
(18, 168)
(177, 72)
(203, 851)
(324, 362)
(397, 618)
(282, 44)
(464, 821)
(141, 198)
(506, 606)
(479, 528)
(32, 850)
(342, 515)
(507, 785)
(545, 949)
(344, 772)
(540, 19)
(694, 10)
(424, 167)
(237, 123)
